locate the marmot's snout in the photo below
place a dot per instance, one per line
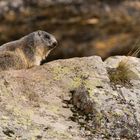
(49, 39)
(53, 42)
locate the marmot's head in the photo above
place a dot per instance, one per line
(44, 42)
(37, 46)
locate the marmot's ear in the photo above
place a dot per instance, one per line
(39, 32)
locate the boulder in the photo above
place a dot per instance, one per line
(72, 99)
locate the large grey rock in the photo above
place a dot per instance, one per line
(69, 99)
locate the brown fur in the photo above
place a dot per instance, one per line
(27, 51)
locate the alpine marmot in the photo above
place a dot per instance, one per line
(26, 52)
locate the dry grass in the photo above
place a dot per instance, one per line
(122, 74)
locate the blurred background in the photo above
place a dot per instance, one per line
(82, 27)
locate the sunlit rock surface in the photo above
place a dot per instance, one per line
(72, 99)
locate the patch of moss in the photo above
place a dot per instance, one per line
(59, 72)
(76, 82)
(90, 85)
(59, 134)
(53, 108)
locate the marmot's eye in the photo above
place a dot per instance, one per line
(47, 37)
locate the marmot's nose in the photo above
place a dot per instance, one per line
(54, 44)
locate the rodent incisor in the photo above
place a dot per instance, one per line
(26, 52)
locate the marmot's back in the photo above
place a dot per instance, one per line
(26, 52)
(9, 60)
